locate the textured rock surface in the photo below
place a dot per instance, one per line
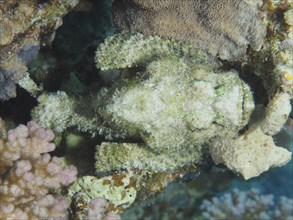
(277, 113)
(222, 28)
(119, 191)
(250, 154)
(24, 26)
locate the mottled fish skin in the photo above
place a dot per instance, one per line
(224, 29)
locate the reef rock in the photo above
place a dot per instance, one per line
(250, 154)
(224, 29)
(24, 26)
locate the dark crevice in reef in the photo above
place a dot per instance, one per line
(247, 73)
(78, 38)
(18, 109)
(71, 53)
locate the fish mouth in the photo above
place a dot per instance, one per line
(247, 104)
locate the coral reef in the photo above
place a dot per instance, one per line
(24, 26)
(279, 45)
(247, 205)
(222, 29)
(250, 154)
(197, 200)
(178, 201)
(88, 197)
(189, 89)
(121, 189)
(243, 153)
(273, 64)
(29, 174)
(277, 112)
(97, 211)
(13, 65)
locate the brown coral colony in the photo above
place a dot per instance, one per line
(224, 29)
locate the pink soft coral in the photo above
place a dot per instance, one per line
(97, 211)
(28, 172)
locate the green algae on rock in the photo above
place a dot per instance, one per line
(116, 189)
